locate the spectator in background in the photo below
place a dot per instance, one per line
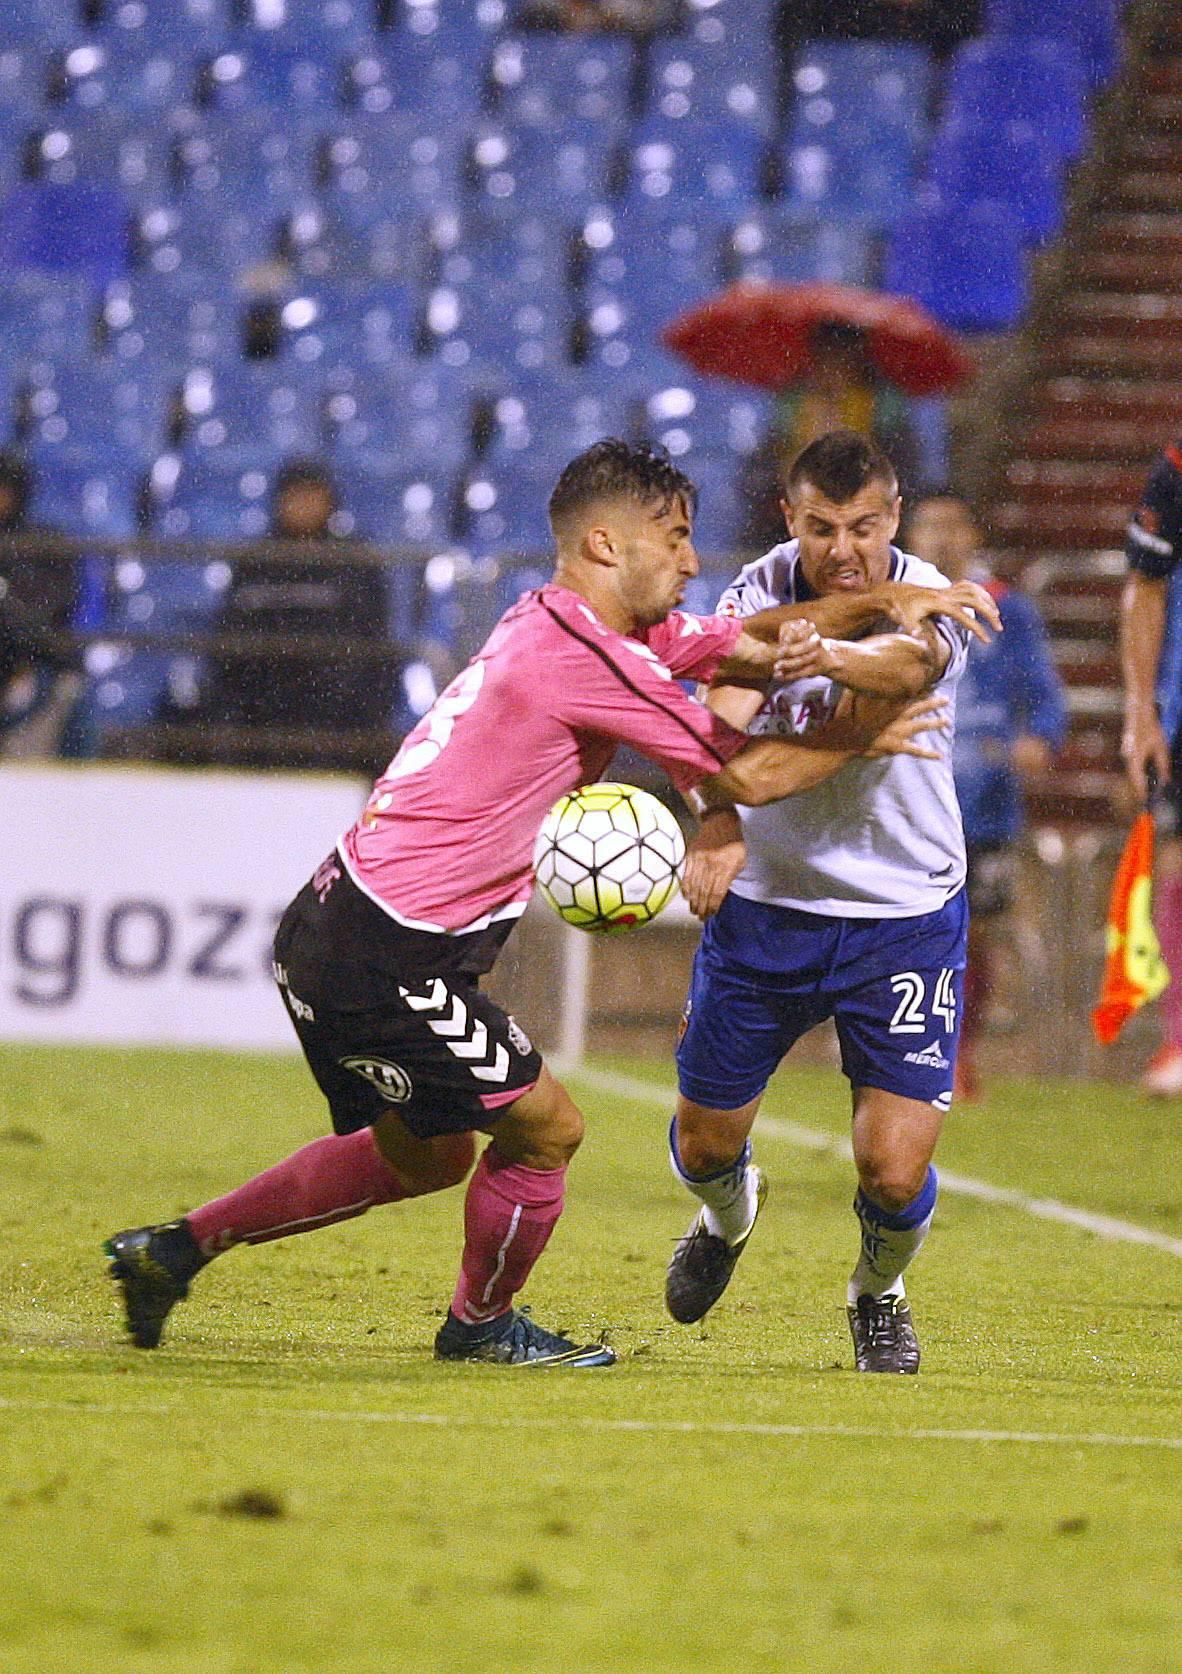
(633, 17)
(1011, 718)
(301, 596)
(842, 391)
(938, 24)
(39, 681)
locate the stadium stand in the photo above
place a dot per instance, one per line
(437, 248)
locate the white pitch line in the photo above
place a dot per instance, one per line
(614, 1426)
(813, 1139)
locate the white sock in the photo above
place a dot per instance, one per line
(728, 1195)
(890, 1241)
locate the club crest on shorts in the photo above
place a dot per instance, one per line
(389, 1080)
(518, 1037)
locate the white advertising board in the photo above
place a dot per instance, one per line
(137, 904)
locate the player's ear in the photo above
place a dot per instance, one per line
(786, 509)
(896, 516)
(599, 544)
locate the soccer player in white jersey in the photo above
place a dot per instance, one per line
(845, 902)
(379, 957)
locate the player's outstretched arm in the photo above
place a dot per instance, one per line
(846, 615)
(766, 769)
(885, 665)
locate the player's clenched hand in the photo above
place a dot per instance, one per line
(801, 652)
(900, 734)
(713, 861)
(964, 602)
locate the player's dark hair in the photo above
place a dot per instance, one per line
(613, 470)
(839, 466)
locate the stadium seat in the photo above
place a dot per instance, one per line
(44, 316)
(84, 494)
(543, 79)
(239, 405)
(719, 520)
(325, 27)
(697, 417)
(848, 176)
(401, 162)
(118, 71)
(403, 72)
(1009, 79)
(328, 321)
(687, 162)
(68, 405)
(562, 169)
(78, 228)
(473, 247)
(503, 511)
(966, 265)
(1091, 25)
(264, 72)
(1016, 165)
(660, 261)
(869, 84)
(690, 79)
(222, 496)
(768, 244)
(378, 420)
(255, 158)
(180, 236)
(169, 319)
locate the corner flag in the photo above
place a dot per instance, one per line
(1134, 970)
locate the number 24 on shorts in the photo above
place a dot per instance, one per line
(911, 1017)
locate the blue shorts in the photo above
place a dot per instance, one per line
(764, 975)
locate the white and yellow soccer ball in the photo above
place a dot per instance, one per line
(609, 857)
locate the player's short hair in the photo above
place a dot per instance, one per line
(839, 466)
(614, 470)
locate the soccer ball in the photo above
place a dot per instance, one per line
(608, 857)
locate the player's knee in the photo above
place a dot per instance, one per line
(543, 1130)
(447, 1163)
(891, 1182)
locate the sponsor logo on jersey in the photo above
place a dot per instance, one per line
(389, 1080)
(930, 1057)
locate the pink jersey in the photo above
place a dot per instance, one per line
(446, 839)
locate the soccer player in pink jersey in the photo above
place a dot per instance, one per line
(379, 957)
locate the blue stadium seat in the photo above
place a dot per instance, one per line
(171, 319)
(965, 264)
(83, 493)
(504, 511)
(256, 158)
(79, 228)
(1010, 79)
(78, 404)
(186, 234)
(736, 32)
(326, 27)
(507, 324)
(223, 495)
(37, 21)
(110, 147)
(721, 513)
(122, 71)
(543, 79)
(659, 260)
(392, 505)
(849, 175)
(541, 420)
(868, 84)
(696, 417)
(325, 322)
(561, 169)
(242, 404)
(44, 315)
(137, 25)
(768, 245)
(378, 420)
(526, 249)
(404, 72)
(688, 78)
(1091, 25)
(684, 162)
(266, 73)
(398, 162)
(1015, 164)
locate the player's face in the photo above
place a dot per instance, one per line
(846, 548)
(656, 558)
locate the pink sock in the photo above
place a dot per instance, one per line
(330, 1180)
(1167, 918)
(509, 1213)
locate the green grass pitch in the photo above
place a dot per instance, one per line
(291, 1483)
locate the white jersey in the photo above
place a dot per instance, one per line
(880, 839)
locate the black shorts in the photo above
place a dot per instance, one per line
(991, 879)
(394, 1019)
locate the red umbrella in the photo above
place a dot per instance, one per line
(760, 334)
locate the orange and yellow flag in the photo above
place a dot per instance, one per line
(1134, 970)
